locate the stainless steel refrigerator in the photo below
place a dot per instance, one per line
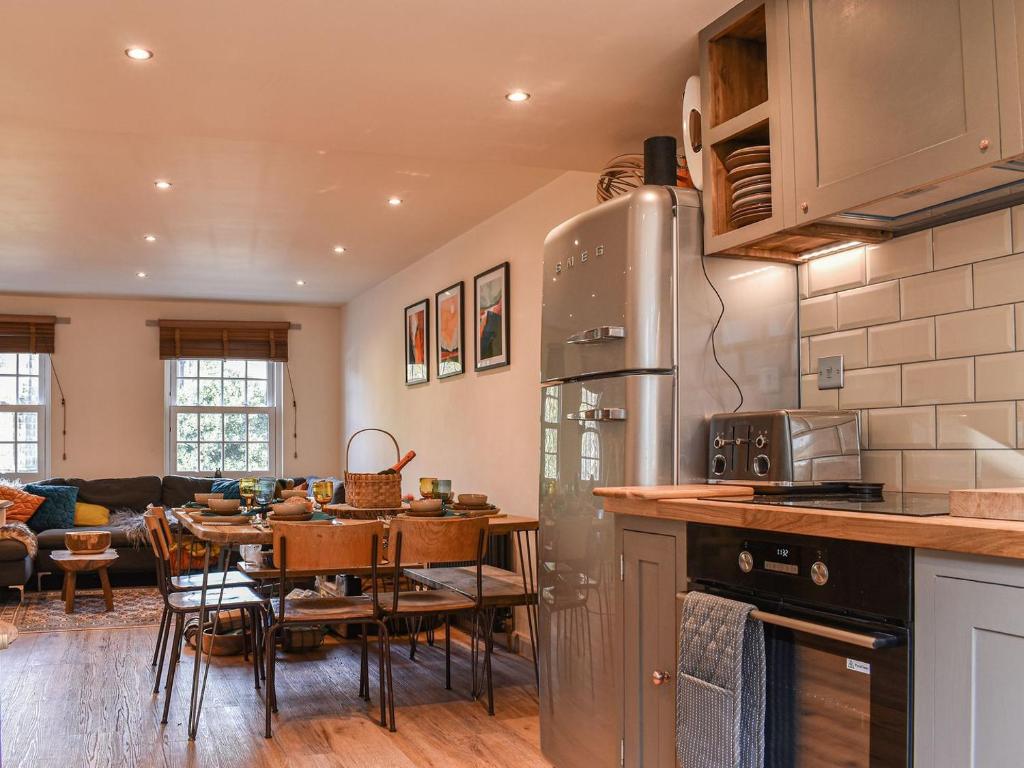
(628, 379)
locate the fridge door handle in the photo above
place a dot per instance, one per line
(598, 414)
(601, 333)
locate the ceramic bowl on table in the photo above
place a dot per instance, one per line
(87, 542)
(204, 498)
(293, 494)
(473, 499)
(224, 506)
(425, 507)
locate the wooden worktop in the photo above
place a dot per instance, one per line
(995, 538)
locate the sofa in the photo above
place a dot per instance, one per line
(128, 493)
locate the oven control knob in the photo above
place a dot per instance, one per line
(746, 561)
(761, 465)
(718, 464)
(760, 441)
(819, 573)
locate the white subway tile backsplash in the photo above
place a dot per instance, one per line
(836, 272)
(801, 274)
(902, 427)
(818, 315)
(908, 342)
(937, 471)
(852, 345)
(974, 239)
(900, 257)
(942, 381)
(977, 425)
(1017, 221)
(999, 281)
(871, 388)
(870, 305)
(1000, 377)
(936, 293)
(883, 467)
(812, 397)
(1000, 469)
(862, 427)
(805, 356)
(1019, 323)
(975, 332)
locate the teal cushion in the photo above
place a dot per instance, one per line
(228, 487)
(58, 511)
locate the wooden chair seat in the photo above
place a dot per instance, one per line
(501, 588)
(419, 602)
(324, 610)
(234, 597)
(216, 578)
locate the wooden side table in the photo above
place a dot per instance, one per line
(73, 564)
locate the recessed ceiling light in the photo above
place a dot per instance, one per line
(394, 201)
(141, 274)
(517, 96)
(138, 54)
(300, 282)
(162, 184)
(149, 238)
(339, 249)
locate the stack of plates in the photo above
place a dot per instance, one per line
(749, 173)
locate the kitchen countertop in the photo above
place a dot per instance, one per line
(994, 538)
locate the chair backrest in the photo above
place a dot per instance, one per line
(310, 547)
(438, 539)
(159, 532)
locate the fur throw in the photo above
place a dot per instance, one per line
(133, 525)
(21, 533)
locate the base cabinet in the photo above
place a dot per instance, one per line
(653, 571)
(968, 660)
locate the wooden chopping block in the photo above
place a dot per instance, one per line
(657, 492)
(992, 503)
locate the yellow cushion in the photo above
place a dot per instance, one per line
(91, 514)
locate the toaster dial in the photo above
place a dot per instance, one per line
(761, 440)
(718, 464)
(761, 465)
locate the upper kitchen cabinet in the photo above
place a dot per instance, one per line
(889, 98)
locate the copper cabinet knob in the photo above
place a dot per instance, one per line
(657, 677)
(804, 207)
(983, 144)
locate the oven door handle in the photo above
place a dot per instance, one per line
(871, 642)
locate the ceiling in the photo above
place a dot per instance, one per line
(285, 127)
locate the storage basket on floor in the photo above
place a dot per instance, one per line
(369, 490)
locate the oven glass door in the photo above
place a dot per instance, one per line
(835, 703)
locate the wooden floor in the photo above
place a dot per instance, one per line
(85, 698)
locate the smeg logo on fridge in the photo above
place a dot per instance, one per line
(584, 257)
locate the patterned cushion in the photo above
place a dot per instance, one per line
(25, 503)
(58, 509)
(228, 487)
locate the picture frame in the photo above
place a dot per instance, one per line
(449, 331)
(416, 322)
(491, 313)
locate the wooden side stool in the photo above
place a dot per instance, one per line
(73, 564)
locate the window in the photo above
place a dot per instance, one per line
(223, 415)
(550, 452)
(24, 398)
(590, 448)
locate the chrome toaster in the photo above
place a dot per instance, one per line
(784, 448)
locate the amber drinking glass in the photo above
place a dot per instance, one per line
(323, 492)
(247, 488)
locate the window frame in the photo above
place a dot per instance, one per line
(274, 411)
(42, 426)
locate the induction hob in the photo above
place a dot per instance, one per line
(883, 502)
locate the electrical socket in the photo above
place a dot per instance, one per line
(830, 372)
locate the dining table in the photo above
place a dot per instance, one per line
(228, 536)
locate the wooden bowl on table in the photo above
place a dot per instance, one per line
(293, 494)
(87, 542)
(204, 498)
(224, 506)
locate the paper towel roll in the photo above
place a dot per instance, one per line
(691, 131)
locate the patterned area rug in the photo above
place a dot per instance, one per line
(44, 611)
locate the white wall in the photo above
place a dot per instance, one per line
(107, 359)
(480, 430)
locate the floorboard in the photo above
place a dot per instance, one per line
(85, 699)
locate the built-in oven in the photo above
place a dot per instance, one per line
(837, 617)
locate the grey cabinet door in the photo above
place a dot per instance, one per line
(972, 675)
(649, 628)
(889, 96)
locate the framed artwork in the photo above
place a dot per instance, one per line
(491, 318)
(417, 342)
(448, 316)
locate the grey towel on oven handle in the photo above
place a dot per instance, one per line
(720, 696)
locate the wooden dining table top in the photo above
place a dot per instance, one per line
(245, 533)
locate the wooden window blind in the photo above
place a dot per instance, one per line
(27, 334)
(229, 339)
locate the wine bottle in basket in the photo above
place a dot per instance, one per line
(397, 467)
